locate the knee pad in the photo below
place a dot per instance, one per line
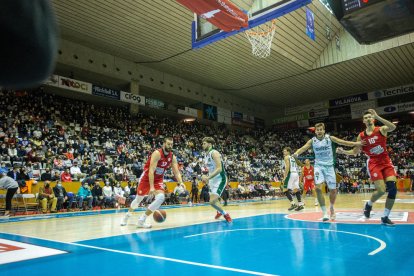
(392, 189)
(155, 205)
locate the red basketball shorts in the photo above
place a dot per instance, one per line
(380, 170)
(144, 187)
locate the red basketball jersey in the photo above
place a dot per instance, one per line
(375, 145)
(308, 173)
(163, 164)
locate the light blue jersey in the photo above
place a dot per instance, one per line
(324, 151)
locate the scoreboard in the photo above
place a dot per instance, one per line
(371, 21)
(350, 6)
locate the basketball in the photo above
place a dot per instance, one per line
(159, 215)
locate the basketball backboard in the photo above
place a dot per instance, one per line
(259, 12)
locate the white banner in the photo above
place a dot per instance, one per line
(318, 113)
(395, 91)
(358, 109)
(387, 109)
(306, 108)
(132, 98)
(188, 111)
(394, 108)
(75, 85)
(405, 107)
(223, 115)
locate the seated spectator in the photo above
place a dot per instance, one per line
(181, 191)
(118, 192)
(132, 191)
(56, 176)
(15, 174)
(46, 176)
(84, 193)
(76, 172)
(61, 195)
(47, 198)
(97, 193)
(108, 194)
(205, 193)
(65, 176)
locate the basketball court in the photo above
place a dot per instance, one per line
(262, 240)
(282, 54)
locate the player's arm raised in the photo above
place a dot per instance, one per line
(176, 171)
(387, 127)
(303, 149)
(347, 143)
(355, 151)
(155, 157)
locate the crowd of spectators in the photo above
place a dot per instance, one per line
(52, 138)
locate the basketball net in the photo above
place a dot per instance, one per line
(261, 38)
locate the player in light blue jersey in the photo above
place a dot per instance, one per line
(216, 179)
(323, 146)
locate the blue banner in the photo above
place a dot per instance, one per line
(210, 112)
(348, 100)
(310, 24)
(106, 92)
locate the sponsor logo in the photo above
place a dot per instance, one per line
(209, 14)
(348, 100)
(375, 174)
(377, 150)
(230, 10)
(74, 84)
(377, 94)
(390, 109)
(135, 98)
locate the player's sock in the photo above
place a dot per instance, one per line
(324, 210)
(387, 212)
(370, 202)
(223, 213)
(298, 196)
(143, 217)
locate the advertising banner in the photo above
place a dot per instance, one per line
(188, 111)
(292, 118)
(395, 108)
(358, 109)
(154, 103)
(210, 112)
(318, 113)
(75, 85)
(348, 100)
(132, 98)
(395, 91)
(223, 115)
(106, 92)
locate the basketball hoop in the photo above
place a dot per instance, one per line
(261, 38)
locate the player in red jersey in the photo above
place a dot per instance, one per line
(308, 180)
(151, 181)
(380, 168)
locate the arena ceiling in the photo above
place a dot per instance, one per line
(157, 34)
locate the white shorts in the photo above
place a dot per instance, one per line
(291, 181)
(325, 174)
(217, 184)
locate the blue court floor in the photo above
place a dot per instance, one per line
(258, 245)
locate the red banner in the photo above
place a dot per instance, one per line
(221, 13)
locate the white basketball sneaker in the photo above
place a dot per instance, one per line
(142, 224)
(125, 219)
